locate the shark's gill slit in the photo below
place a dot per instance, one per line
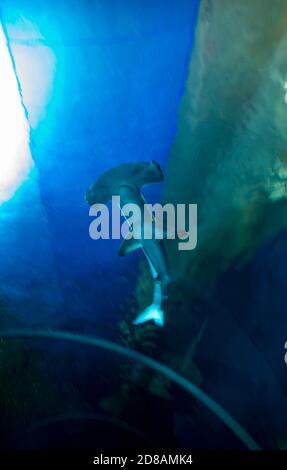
(185, 384)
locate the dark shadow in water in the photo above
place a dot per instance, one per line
(192, 389)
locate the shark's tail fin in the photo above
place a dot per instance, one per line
(154, 311)
(151, 313)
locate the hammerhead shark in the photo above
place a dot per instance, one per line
(126, 181)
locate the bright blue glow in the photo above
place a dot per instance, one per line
(36, 66)
(100, 89)
(15, 156)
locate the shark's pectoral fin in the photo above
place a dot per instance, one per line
(127, 246)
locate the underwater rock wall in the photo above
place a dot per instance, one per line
(230, 154)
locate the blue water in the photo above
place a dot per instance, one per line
(120, 69)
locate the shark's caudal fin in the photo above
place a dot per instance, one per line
(151, 313)
(154, 311)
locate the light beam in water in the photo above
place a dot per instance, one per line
(15, 156)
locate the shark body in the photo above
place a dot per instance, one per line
(126, 181)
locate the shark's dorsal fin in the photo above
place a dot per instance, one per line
(127, 246)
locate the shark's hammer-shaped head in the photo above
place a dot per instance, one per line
(134, 175)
